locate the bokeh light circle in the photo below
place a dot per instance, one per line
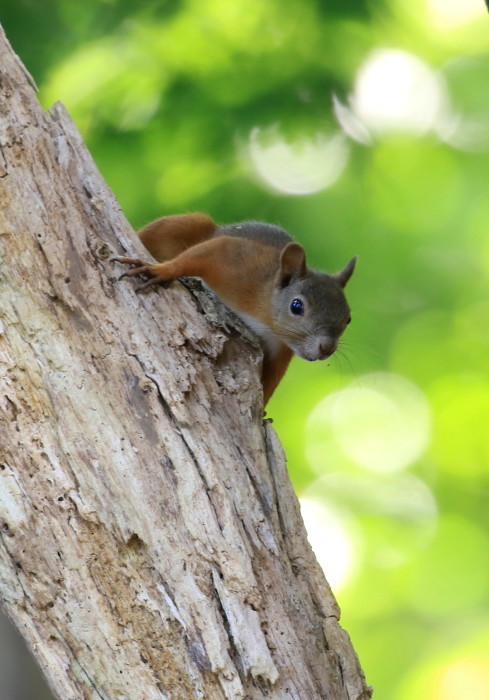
(381, 423)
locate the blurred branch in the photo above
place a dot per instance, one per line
(151, 543)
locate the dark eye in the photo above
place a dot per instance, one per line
(349, 320)
(297, 307)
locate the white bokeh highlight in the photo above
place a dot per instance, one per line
(395, 91)
(382, 423)
(332, 541)
(452, 14)
(303, 167)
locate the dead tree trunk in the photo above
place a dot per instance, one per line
(151, 543)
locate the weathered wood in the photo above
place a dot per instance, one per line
(151, 545)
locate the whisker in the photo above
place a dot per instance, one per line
(341, 353)
(291, 330)
(337, 358)
(360, 346)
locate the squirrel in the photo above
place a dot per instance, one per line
(260, 273)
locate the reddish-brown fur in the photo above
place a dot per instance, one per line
(167, 237)
(245, 264)
(241, 272)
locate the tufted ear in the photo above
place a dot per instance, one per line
(292, 263)
(345, 274)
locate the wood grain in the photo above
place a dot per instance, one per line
(151, 545)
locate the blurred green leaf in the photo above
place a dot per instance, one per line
(168, 95)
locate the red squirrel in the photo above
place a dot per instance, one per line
(260, 273)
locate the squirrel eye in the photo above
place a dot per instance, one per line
(297, 307)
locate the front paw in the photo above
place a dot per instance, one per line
(139, 267)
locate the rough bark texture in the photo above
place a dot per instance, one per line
(151, 545)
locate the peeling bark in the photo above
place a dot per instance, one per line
(151, 545)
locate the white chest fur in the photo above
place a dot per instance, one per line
(269, 340)
(268, 337)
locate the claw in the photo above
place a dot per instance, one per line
(152, 282)
(135, 271)
(139, 267)
(127, 261)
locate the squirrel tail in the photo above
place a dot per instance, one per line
(169, 236)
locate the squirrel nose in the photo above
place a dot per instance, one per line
(327, 346)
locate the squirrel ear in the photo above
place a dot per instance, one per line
(292, 263)
(345, 274)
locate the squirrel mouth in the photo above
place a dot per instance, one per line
(315, 358)
(309, 358)
(319, 351)
(313, 355)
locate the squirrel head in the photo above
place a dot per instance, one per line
(309, 308)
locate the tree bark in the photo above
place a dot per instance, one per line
(151, 543)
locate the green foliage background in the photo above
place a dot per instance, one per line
(389, 440)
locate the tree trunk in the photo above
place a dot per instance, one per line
(151, 543)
